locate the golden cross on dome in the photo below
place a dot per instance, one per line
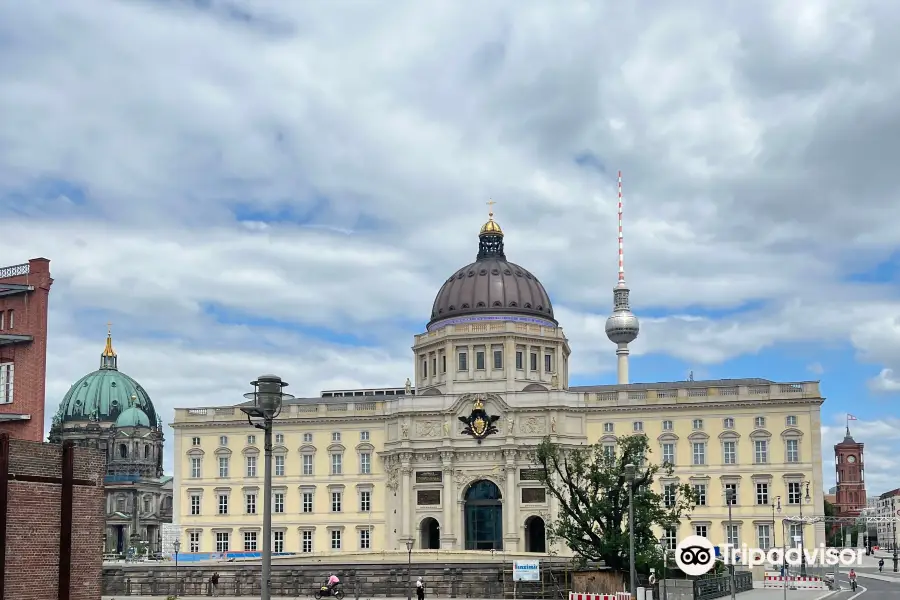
(491, 204)
(108, 328)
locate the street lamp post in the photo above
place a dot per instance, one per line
(632, 570)
(729, 500)
(177, 545)
(894, 541)
(409, 546)
(664, 545)
(267, 400)
(775, 507)
(802, 530)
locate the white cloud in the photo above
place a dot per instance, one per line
(323, 170)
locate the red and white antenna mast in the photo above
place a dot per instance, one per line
(621, 251)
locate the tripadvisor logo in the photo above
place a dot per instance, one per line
(696, 556)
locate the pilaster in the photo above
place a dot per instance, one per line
(448, 529)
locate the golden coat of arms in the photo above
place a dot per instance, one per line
(479, 424)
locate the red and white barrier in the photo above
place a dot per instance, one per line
(800, 583)
(616, 596)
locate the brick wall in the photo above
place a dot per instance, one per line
(33, 523)
(29, 358)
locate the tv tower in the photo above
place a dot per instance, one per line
(622, 326)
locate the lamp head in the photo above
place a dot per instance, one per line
(778, 503)
(807, 498)
(409, 545)
(629, 472)
(177, 545)
(267, 396)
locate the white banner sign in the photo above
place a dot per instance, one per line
(526, 570)
(169, 533)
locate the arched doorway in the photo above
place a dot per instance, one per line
(535, 535)
(430, 534)
(484, 517)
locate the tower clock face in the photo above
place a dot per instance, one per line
(851, 459)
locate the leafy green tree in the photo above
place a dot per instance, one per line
(589, 485)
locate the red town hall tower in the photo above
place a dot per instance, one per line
(850, 475)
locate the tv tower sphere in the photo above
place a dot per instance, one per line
(622, 327)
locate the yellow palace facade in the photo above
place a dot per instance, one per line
(444, 462)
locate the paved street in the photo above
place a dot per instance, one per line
(761, 594)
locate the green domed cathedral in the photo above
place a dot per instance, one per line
(110, 411)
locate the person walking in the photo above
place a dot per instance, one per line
(420, 589)
(214, 583)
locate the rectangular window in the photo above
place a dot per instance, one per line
(763, 537)
(795, 532)
(365, 463)
(279, 466)
(337, 463)
(277, 541)
(7, 375)
(734, 493)
(443, 364)
(307, 542)
(307, 464)
(251, 466)
(195, 467)
(251, 440)
(194, 541)
(364, 436)
(498, 359)
(762, 496)
(278, 502)
(697, 424)
(760, 452)
(670, 495)
(462, 361)
(307, 438)
(670, 538)
(365, 501)
(729, 453)
(793, 451)
(335, 539)
(195, 441)
(794, 492)
(223, 440)
(700, 491)
(790, 421)
(637, 426)
(335, 436)
(760, 422)
(335, 502)
(548, 363)
(222, 541)
(307, 502)
(728, 423)
(279, 438)
(668, 426)
(2, 316)
(699, 453)
(534, 364)
(479, 362)
(251, 504)
(668, 453)
(609, 450)
(701, 531)
(249, 541)
(424, 368)
(223, 504)
(223, 466)
(520, 360)
(12, 319)
(608, 427)
(365, 539)
(732, 535)
(195, 504)
(433, 366)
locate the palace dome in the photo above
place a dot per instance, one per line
(105, 395)
(133, 417)
(491, 286)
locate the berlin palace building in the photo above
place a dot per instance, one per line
(445, 461)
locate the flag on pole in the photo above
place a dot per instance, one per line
(851, 418)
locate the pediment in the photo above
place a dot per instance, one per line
(365, 447)
(698, 436)
(307, 449)
(667, 437)
(608, 439)
(250, 451)
(759, 434)
(792, 432)
(195, 452)
(222, 451)
(336, 447)
(729, 435)
(432, 391)
(535, 387)
(494, 404)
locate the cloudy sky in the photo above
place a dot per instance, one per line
(265, 186)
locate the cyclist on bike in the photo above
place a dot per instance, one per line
(881, 565)
(851, 576)
(332, 581)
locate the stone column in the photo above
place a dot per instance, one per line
(448, 499)
(405, 494)
(510, 506)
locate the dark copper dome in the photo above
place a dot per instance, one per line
(491, 286)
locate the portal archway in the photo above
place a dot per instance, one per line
(535, 535)
(429, 534)
(483, 516)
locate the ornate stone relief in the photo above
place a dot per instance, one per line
(510, 425)
(533, 426)
(391, 468)
(428, 429)
(404, 429)
(464, 478)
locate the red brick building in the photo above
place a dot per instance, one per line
(52, 510)
(24, 300)
(850, 475)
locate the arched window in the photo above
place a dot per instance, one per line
(123, 451)
(146, 451)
